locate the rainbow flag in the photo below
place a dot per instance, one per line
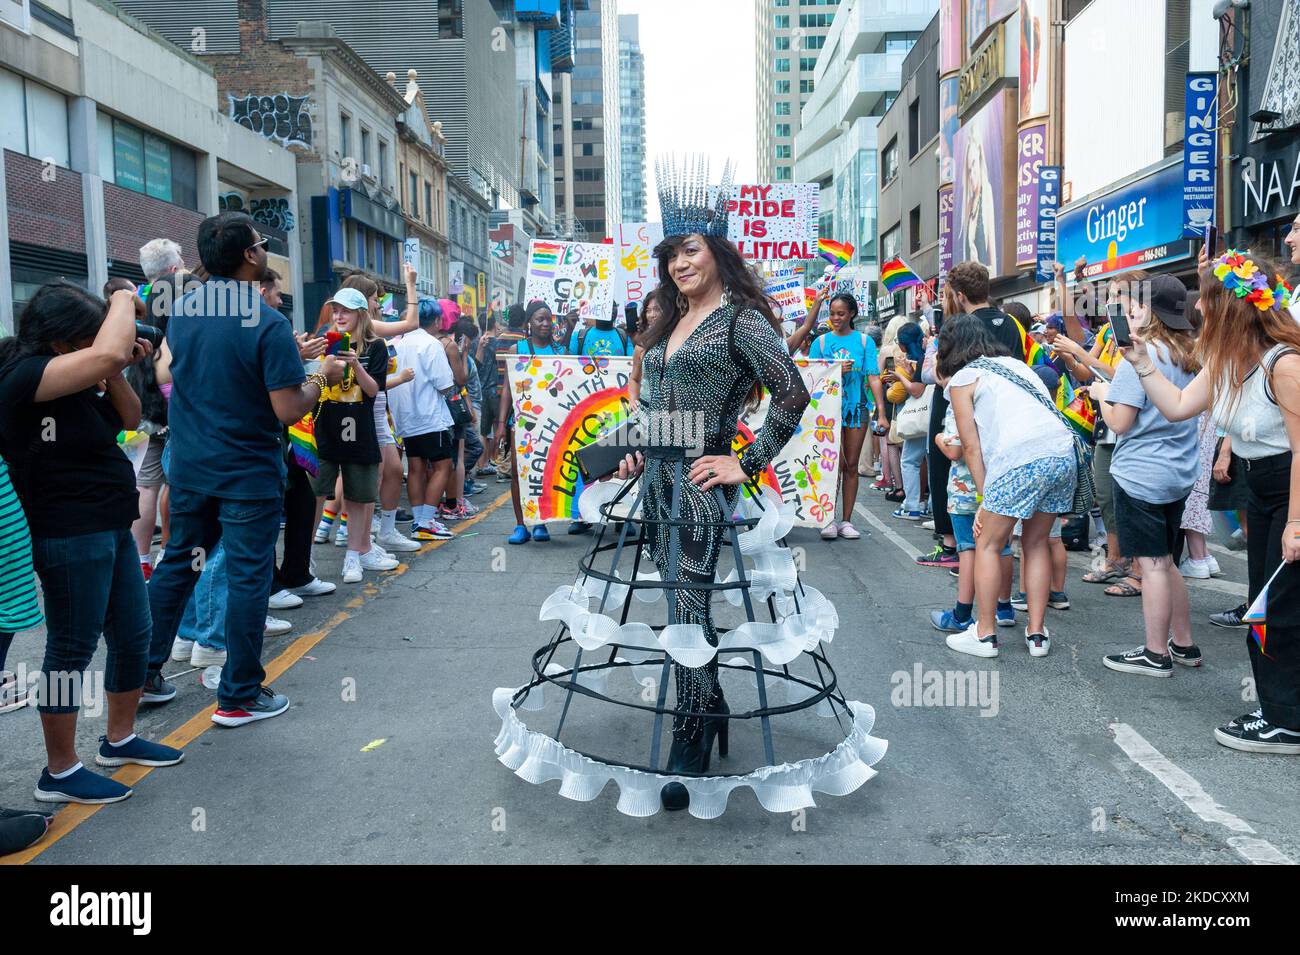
(1034, 353)
(1078, 410)
(302, 441)
(838, 254)
(544, 257)
(809, 297)
(895, 275)
(1258, 612)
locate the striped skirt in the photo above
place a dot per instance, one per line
(19, 609)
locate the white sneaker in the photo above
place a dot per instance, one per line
(1195, 569)
(469, 508)
(341, 536)
(375, 559)
(13, 695)
(275, 627)
(284, 600)
(848, 531)
(928, 525)
(1214, 566)
(397, 543)
(321, 536)
(1038, 643)
(968, 641)
(317, 588)
(830, 531)
(181, 650)
(202, 656)
(352, 570)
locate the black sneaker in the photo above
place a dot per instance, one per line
(1188, 656)
(157, 690)
(265, 705)
(1230, 618)
(579, 527)
(1254, 734)
(404, 516)
(939, 557)
(1142, 661)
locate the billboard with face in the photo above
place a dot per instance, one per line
(984, 202)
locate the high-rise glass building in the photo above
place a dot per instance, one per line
(789, 35)
(631, 73)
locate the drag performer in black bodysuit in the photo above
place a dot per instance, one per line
(716, 342)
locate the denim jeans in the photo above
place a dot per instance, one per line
(204, 621)
(92, 585)
(913, 455)
(248, 531)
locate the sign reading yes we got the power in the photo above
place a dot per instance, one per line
(572, 277)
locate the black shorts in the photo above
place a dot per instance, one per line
(434, 446)
(1147, 530)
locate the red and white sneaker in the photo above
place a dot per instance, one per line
(265, 705)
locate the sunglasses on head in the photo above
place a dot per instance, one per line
(260, 243)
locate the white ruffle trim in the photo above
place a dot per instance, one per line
(537, 758)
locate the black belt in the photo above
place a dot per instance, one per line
(1281, 459)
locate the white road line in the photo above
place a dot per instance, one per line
(1194, 797)
(898, 540)
(1220, 549)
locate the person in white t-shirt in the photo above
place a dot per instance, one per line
(1021, 456)
(423, 421)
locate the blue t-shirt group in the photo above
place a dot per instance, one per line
(860, 349)
(601, 342)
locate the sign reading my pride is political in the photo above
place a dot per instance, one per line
(638, 272)
(572, 276)
(566, 403)
(773, 221)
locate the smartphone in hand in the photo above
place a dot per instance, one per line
(1119, 324)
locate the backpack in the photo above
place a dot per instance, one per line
(582, 340)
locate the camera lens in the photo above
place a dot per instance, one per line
(150, 333)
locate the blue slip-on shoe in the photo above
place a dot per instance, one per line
(83, 786)
(540, 533)
(1058, 600)
(139, 751)
(519, 535)
(1006, 615)
(945, 621)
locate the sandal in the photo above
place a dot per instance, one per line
(1124, 589)
(1111, 570)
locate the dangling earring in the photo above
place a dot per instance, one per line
(726, 296)
(682, 304)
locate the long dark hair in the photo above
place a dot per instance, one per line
(962, 340)
(738, 278)
(58, 312)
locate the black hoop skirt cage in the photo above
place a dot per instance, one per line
(601, 684)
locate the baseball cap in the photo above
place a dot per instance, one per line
(1169, 302)
(351, 298)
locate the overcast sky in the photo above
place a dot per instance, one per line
(699, 73)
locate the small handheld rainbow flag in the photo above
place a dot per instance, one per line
(1077, 409)
(809, 297)
(302, 441)
(1257, 615)
(1034, 353)
(838, 254)
(895, 275)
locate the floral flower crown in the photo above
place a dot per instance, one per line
(1242, 277)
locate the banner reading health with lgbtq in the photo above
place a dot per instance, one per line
(564, 403)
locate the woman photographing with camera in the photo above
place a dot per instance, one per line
(63, 400)
(1249, 349)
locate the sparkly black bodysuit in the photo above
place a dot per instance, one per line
(709, 378)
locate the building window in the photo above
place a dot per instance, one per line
(913, 128)
(898, 42)
(783, 108)
(783, 129)
(365, 146)
(780, 3)
(805, 86)
(807, 64)
(784, 151)
(814, 42)
(816, 19)
(889, 161)
(428, 204)
(451, 19)
(783, 64)
(782, 87)
(889, 244)
(383, 164)
(782, 42)
(914, 229)
(781, 21)
(415, 196)
(345, 135)
(784, 174)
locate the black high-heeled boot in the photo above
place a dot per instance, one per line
(693, 756)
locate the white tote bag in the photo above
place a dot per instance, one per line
(913, 419)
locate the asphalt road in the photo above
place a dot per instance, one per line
(387, 752)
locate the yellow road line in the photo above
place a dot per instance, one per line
(74, 814)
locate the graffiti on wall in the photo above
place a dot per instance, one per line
(274, 211)
(281, 117)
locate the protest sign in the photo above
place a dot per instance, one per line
(565, 403)
(774, 220)
(785, 288)
(638, 272)
(571, 276)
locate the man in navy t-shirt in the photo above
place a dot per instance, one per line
(237, 377)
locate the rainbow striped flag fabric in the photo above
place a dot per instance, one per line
(1078, 410)
(1034, 352)
(895, 276)
(302, 441)
(1257, 614)
(838, 254)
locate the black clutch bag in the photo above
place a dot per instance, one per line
(600, 460)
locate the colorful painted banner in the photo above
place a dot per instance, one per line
(785, 288)
(565, 403)
(572, 276)
(1200, 152)
(638, 272)
(1031, 154)
(775, 220)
